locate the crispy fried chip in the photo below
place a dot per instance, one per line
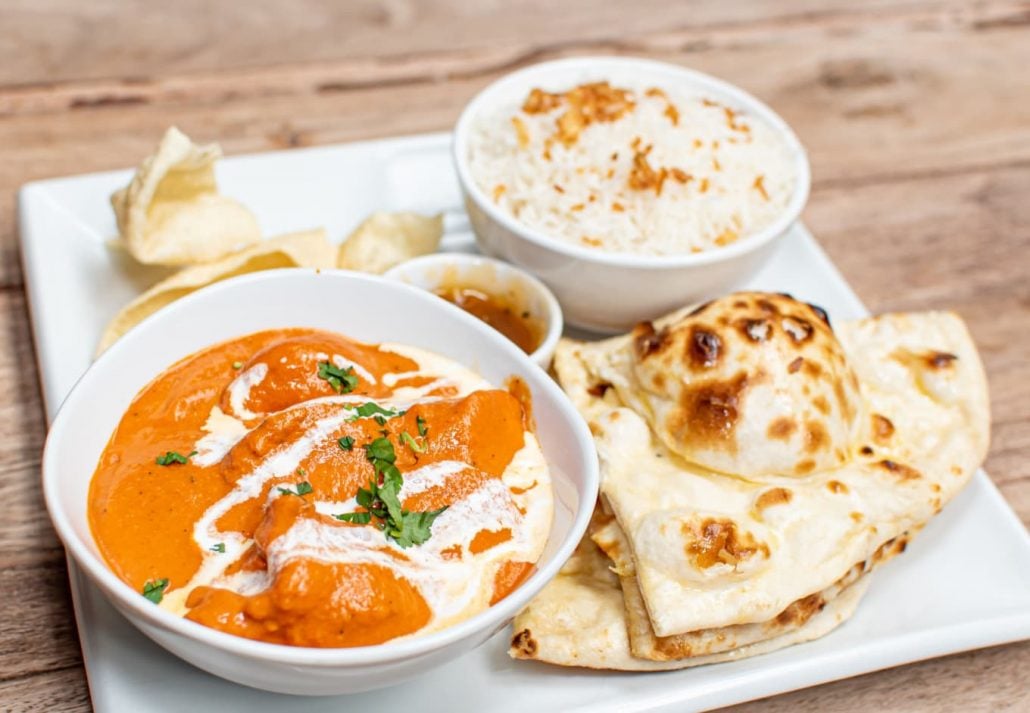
(386, 239)
(309, 248)
(172, 214)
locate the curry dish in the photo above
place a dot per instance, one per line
(298, 487)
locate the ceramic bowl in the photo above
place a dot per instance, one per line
(376, 310)
(513, 286)
(610, 291)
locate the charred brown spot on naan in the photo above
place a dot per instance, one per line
(721, 541)
(599, 389)
(795, 366)
(816, 437)
(866, 450)
(523, 645)
(771, 498)
(709, 412)
(822, 405)
(821, 314)
(757, 330)
(836, 487)
(901, 471)
(941, 360)
(801, 611)
(883, 429)
(647, 341)
(703, 348)
(781, 428)
(805, 466)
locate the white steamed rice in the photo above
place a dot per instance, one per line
(740, 181)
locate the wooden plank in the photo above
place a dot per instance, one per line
(64, 41)
(59, 690)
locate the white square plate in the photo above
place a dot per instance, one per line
(964, 583)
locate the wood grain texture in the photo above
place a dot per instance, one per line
(916, 116)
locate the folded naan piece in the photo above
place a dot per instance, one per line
(644, 644)
(172, 213)
(754, 458)
(579, 620)
(309, 248)
(387, 239)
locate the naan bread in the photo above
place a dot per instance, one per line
(643, 642)
(883, 423)
(172, 213)
(579, 620)
(387, 239)
(305, 249)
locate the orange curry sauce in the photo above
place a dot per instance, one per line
(143, 514)
(516, 325)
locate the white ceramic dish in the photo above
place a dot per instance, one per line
(916, 607)
(609, 291)
(277, 299)
(517, 287)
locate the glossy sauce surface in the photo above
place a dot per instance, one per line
(246, 550)
(517, 325)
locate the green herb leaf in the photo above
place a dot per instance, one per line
(382, 502)
(412, 443)
(237, 365)
(219, 547)
(154, 589)
(381, 420)
(343, 381)
(380, 450)
(171, 457)
(301, 472)
(421, 423)
(358, 518)
(346, 443)
(416, 527)
(303, 488)
(371, 408)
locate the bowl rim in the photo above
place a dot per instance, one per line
(690, 78)
(128, 600)
(555, 319)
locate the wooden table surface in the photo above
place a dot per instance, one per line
(916, 115)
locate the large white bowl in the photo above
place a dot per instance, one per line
(609, 291)
(370, 309)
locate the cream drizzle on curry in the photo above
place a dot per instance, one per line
(231, 490)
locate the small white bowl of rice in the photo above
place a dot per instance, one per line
(630, 187)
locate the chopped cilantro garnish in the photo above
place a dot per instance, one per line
(358, 518)
(343, 381)
(370, 408)
(421, 423)
(380, 419)
(171, 457)
(303, 488)
(412, 443)
(381, 500)
(237, 365)
(219, 547)
(301, 472)
(154, 589)
(346, 443)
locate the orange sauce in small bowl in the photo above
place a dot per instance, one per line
(516, 324)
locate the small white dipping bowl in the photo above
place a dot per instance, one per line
(370, 309)
(513, 286)
(610, 291)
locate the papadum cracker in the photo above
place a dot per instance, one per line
(172, 213)
(309, 248)
(387, 239)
